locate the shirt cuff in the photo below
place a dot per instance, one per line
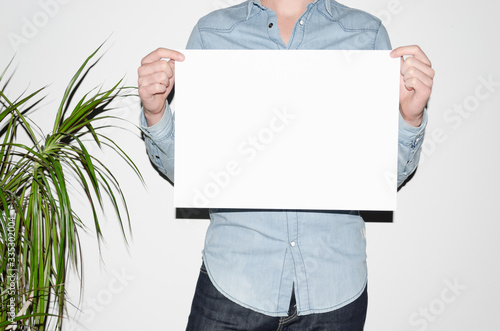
(160, 130)
(411, 133)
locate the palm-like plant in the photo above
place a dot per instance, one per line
(38, 225)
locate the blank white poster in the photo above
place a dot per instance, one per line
(302, 129)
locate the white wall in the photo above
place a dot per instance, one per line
(435, 268)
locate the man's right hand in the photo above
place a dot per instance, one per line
(156, 80)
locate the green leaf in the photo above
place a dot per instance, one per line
(38, 178)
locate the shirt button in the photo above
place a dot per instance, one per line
(301, 22)
(293, 244)
(270, 25)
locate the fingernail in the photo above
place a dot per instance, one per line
(181, 57)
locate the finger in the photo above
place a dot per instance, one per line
(171, 64)
(421, 90)
(172, 67)
(414, 51)
(148, 91)
(411, 64)
(414, 73)
(157, 66)
(163, 53)
(159, 77)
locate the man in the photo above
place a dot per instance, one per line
(283, 269)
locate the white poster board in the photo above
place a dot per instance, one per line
(286, 129)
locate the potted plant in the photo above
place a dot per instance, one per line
(39, 228)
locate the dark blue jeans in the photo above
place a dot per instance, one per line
(212, 311)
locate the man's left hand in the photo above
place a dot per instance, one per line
(416, 83)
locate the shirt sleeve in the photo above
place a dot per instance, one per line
(410, 138)
(160, 138)
(382, 40)
(195, 41)
(160, 142)
(410, 141)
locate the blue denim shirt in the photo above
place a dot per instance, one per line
(256, 257)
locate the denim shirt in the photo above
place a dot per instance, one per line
(256, 257)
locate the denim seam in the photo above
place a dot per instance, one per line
(230, 29)
(305, 27)
(376, 35)
(281, 279)
(336, 4)
(170, 135)
(303, 265)
(305, 275)
(201, 37)
(346, 28)
(286, 319)
(285, 226)
(298, 294)
(407, 143)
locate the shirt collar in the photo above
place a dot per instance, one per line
(251, 4)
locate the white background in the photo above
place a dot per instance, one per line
(435, 268)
